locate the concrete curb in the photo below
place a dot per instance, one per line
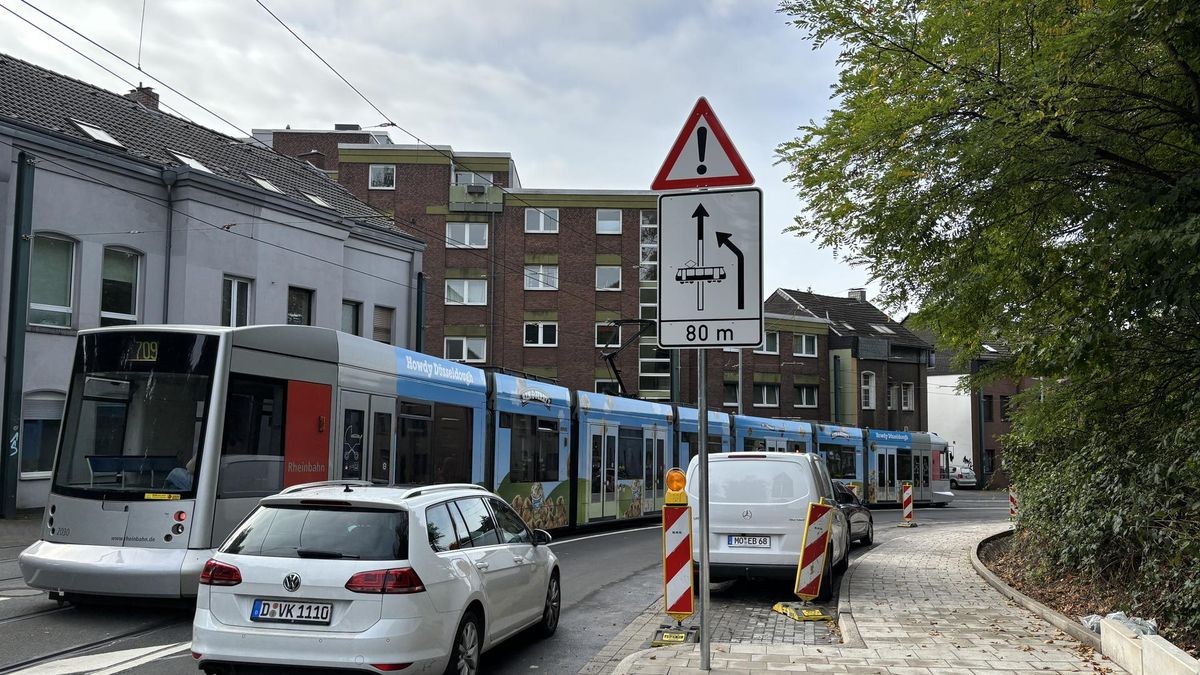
(846, 625)
(1060, 621)
(627, 662)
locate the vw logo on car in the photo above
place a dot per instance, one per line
(291, 583)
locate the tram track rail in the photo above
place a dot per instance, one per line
(79, 650)
(33, 615)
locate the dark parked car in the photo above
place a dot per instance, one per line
(862, 525)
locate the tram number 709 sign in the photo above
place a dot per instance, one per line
(710, 269)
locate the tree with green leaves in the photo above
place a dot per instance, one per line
(1029, 171)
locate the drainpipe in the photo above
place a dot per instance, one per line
(837, 389)
(419, 344)
(169, 176)
(14, 370)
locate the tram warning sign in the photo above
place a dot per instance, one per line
(710, 269)
(702, 156)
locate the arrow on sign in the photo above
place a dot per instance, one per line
(723, 239)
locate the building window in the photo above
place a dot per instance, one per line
(1005, 413)
(190, 161)
(607, 335)
(97, 133)
(608, 278)
(381, 324)
(806, 396)
(607, 387)
(317, 200)
(804, 344)
(299, 306)
(608, 221)
(770, 343)
(467, 349)
(907, 394)
(648, 270)
(766, 396)
(382, 177)
(893, 394)
(879, 328)
(466, 235)
(264, 183)
(118, 287)
(235, 302)
(543, 221)
(473, 178)
(41, 415)
(988, 415)
(466, 291)
(52, 281)
(732, 393)
(541, 334)
(868, 390)
(541, 277)
(352, 317)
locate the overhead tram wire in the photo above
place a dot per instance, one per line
(390, 122)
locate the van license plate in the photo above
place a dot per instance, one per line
(739, 541)
(276, 611)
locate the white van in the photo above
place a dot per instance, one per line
(758, 503)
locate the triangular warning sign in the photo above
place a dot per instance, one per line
(702, 156)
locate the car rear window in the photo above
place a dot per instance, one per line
(322, 532)
(754, 481)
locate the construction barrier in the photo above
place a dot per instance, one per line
(677, 549)
(1012, 505)
(908, 507)
(813, 549)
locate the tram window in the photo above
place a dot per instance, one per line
(796, 446)
(629, 453)
(441, 529)
(755, 445)
(354, 421)
(433, 443)
(252, 448)
(452, 444)
(479, 521)
(413, 442)
(533, 449)
(381, 447)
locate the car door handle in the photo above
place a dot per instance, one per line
(482, 565)
(519, 560)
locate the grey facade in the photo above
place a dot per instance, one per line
(133, 225)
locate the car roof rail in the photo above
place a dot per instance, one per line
(418, 491)
(326, 483)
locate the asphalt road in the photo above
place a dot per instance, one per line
(609, 579)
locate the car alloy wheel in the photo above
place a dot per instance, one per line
(552, 609)
(464, 660)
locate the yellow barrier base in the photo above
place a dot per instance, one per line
(674, 635)
(906, 524)
(797, 611)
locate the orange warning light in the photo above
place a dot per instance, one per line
(676, 480)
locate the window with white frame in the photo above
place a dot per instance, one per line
(770, 343)
(607, 387)
(608, 221)
(466, 291)
(119, 287)
(543, 221)
(190, 161)
(466, 349)
(608, 277)
(893, 394)
(41, 415)
(235, 302)
(52, 282)
(804, 344)
(473, 178)
(806, 396)
(907, 395)
(648, 261)
(466, 235)
(541, 333)
(97, 134)
(880, 328)
(608, 335)
(732, 393)
(264, 183)
(317, 200)
(867, 390)
(766, 396)
(541, 277)
(381, 177)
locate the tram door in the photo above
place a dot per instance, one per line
(905, 472)
(368, 444)
(885, 458)
(922, 487)
(602, 450)
(654, 443)
(381, 452)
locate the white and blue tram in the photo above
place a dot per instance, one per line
(172, 433)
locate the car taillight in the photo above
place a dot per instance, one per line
(390, 666)
(220, 574)
(395, 580)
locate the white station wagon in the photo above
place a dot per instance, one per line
(374, 579)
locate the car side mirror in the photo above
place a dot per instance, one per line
(541, 537)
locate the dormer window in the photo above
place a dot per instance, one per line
(317, 200)
(97, 134)
(265, 184)
(189, 161)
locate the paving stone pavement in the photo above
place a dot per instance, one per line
(920, 609)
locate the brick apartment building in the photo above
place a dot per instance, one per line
(513, 277)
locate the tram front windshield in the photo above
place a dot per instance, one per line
(134, 423)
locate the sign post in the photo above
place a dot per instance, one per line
(709, 274)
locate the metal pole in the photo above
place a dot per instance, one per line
(14, 361)
(739, 408)
(702, 410)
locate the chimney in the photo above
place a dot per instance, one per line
(314, 157)
(859, 294)
(347, 127)
(144, 95)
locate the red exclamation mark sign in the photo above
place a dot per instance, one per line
(701, 141)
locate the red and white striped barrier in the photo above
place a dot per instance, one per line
(1012, 505)
(677, 561)
(812, 550)
(907, 501)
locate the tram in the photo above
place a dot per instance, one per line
(171, 434)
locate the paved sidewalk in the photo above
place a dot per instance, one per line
(919, 609)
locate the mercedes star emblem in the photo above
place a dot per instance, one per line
(747, 514)
(291, 583)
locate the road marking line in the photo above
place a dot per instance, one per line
(606, 534)
(172, 649)
(89, 662)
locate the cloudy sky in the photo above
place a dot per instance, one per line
(585, 95)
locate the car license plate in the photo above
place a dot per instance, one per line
(277, 611)
(740, 541)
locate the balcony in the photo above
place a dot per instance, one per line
(476, 198)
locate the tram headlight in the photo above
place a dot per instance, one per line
(177, 528)
(180, 516)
